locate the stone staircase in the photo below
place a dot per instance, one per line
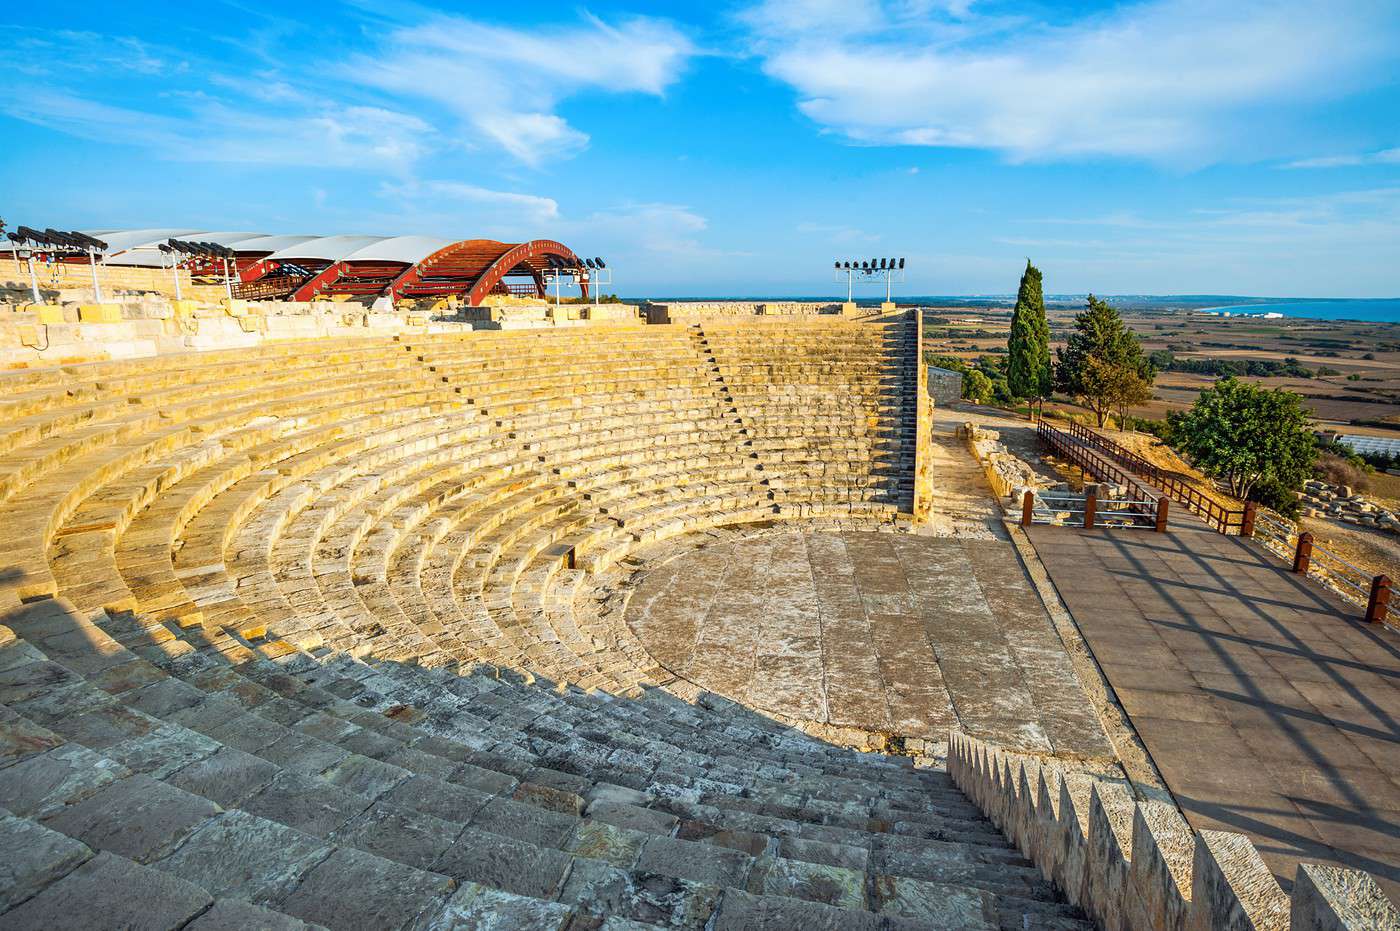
(309, 634)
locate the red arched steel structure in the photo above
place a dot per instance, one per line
(403, 267)
(482, 265)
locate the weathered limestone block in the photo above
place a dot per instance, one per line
(1164, 848)
(1232, 889)
(1327, 898)
(99, 313)
(1047, 795)
(1111, 809)
(1073, 820)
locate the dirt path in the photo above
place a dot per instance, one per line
(963, 505)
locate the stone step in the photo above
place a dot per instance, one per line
(308, 805)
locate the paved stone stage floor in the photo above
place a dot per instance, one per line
(1269, 707)
(893, 633)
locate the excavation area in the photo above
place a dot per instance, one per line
(894, 633)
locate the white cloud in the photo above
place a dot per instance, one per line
(505, 83)
(31, 52)
(529, 210)
(1383, 157)
(1272, 245)
(443, 82)
(1164, 79)
(628, 235)
(838, 234)
(325, 137)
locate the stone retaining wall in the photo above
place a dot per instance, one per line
(686, 312)
(944, 385)
(1133, 864)
(62, 279)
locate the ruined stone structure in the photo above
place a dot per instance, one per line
(334, 632)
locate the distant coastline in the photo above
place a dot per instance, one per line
(1368, 310)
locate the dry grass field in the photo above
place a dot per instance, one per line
(1363, 396)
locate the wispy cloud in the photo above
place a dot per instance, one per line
(504, 83)
(1383, 157)
(528, 210)
(443, 82)
(209, 130)
(838, 234)
(1163, 80)
(1219, 248)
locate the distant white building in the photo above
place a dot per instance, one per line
(1380, 445)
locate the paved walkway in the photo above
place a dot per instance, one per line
(894, 633)
(1266, 703)
(962, 502)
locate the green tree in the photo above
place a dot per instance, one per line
(1102, 364)
(976, 387)
(1028, 372)
(1258, 440)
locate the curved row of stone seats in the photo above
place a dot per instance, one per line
(830, 407)
(168, 430)
(413, 814)
(179, 567)
(630, 515)
(604, 528)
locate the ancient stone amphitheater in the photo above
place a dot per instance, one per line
(331, 633)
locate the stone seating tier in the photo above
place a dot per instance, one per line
(308, 636)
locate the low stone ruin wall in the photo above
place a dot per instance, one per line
(1137, 864)
(151, 325)
(65, 280)
(1342, 503)
(685, 312)
(516, 316)
(1007, 474)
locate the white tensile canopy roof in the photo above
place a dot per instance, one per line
(407, 249)
(142, 247)
(326, 248)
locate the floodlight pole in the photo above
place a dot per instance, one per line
(33, 278)
(889, 276)
(96, 286)
(228, 282)
(175, 270)
(850, 285)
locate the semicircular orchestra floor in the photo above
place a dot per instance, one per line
(893, 633)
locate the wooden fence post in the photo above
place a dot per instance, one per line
(1379, 601)
(1303, 557)
(1091, 504)
(1027, 508)
(1162, 505)
(1247, 522)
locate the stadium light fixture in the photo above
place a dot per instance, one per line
(889, 269)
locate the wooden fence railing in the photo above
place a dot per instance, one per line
(1219, 516)
(1275, 532)
(1141, 498)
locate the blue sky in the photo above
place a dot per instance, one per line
(1168, 146)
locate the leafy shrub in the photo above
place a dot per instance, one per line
(1340, 470)
(1272, 493)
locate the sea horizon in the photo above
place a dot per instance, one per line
(1361, 309)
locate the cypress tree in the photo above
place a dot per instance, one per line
(1028, 347)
